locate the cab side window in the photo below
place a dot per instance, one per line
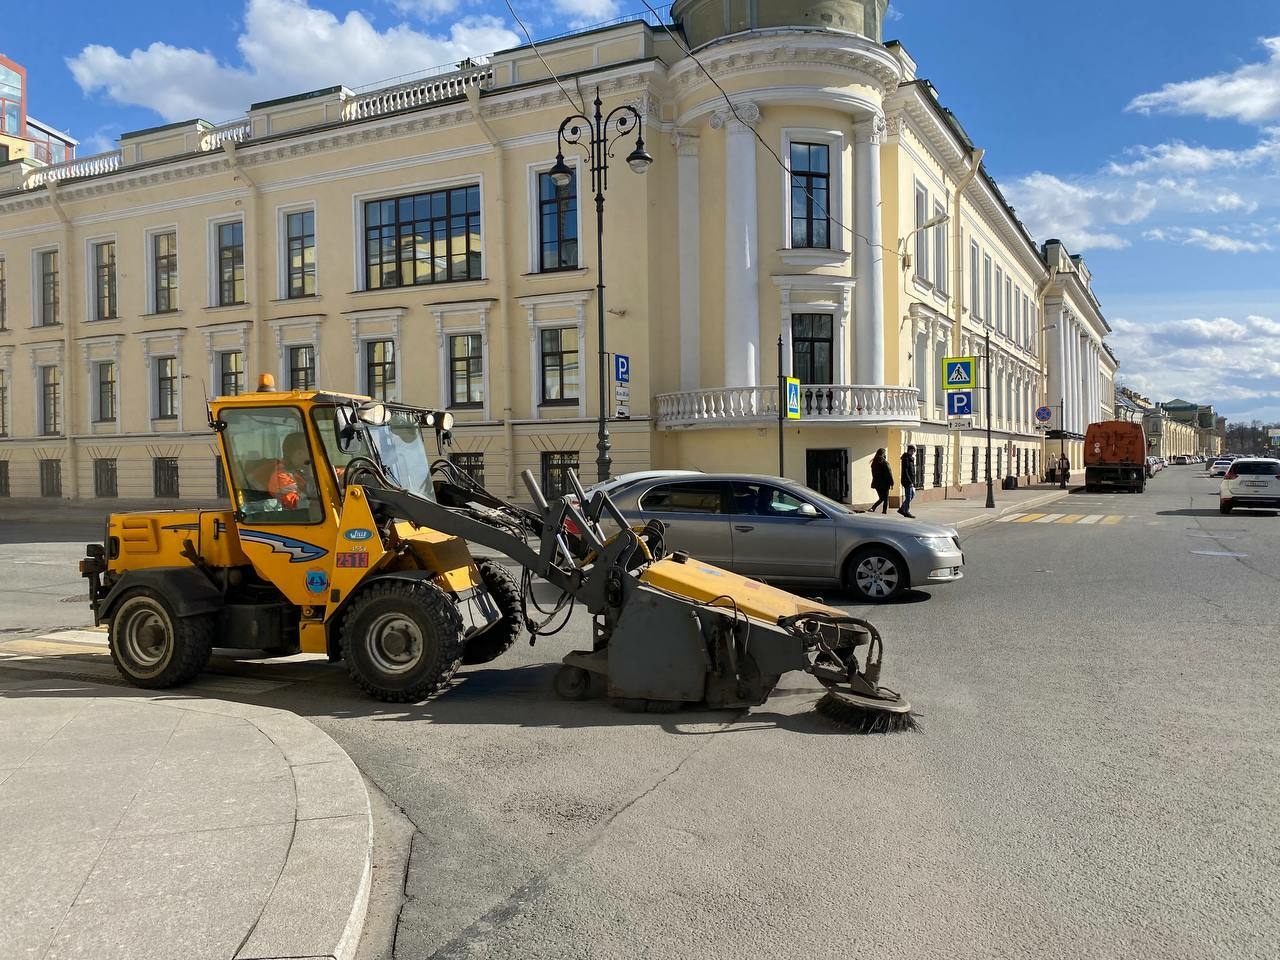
(764, 500)
(273, 479)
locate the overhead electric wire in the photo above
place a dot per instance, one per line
(581, 108)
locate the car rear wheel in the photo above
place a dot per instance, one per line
(875, 573)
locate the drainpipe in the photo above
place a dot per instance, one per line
(68, 319)
(957, 289)
(255, 254)
(508, 322)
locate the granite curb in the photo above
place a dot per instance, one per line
(247, 827)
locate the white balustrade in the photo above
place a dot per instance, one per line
(415, 94)
(92, 166)
(237, 131)
(828, 403)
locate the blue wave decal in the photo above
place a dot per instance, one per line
(298, 551)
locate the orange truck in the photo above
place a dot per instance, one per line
(1115, 455)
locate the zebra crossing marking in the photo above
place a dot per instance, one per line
(1082, 519)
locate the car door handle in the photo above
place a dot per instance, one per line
(743, 528)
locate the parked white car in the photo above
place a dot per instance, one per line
(1251, 482)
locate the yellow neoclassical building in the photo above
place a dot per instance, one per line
(813, 203)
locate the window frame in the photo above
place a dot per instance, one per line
(986, 288)
(217, 280)
(363, 264)
(563, 400)
(920, 265)
(837, 155)
(4, 297)
(452, 359)
(549, 465)
(829, 340)
(49, 409)
(109, 411)
(292, 368)
(368, 364)
(154, 258)
(235, 371)
(103, 302)
(1000, 317)
(940, 248)
(159, 392)
(537, 207)
(303, 272)
(975, 280)
(810, 218)
(42, 304)
(4, 401)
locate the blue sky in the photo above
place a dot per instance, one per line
(1144, 133)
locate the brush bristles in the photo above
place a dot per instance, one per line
(863, 720)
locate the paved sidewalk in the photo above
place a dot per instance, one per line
(148, 826)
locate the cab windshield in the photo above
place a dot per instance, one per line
(402, 451)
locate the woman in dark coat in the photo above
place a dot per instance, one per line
(881, 480)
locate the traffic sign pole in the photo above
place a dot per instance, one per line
(782, 410)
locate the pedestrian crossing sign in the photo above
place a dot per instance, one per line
(957, 373)
(793, 398)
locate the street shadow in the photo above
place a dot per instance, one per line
(518, 697)
(50, 532)
(1192, 512)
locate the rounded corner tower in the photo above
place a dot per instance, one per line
(705, 21)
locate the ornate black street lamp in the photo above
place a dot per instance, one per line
(598, 135)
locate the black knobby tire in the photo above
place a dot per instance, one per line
(496, 639)
(875, 574)
(402, 639)
(154, 649)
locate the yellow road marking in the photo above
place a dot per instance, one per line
(1028, 518)
(1112, 519)
(1071, 518)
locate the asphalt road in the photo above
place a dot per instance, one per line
(40, 586)
(1096, 777)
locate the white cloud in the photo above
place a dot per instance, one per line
(1250, 93)
(1179, 157)
(279, 47)
(1199, 237)
(1224, 361)
(892, 13)
(1078, 214)
(426, 9)
(584, 13)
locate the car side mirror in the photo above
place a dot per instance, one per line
(808, 511)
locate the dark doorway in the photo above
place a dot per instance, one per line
(827, 471)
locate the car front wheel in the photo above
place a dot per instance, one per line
(875, 574)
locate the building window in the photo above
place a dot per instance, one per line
(973, 466)
(4, 478)
(50, 400)
(472, 464)
(975, 283)
(810, 195)
(466, 371)
(104, 477)
(424, 238)
(986, 288)
(380, 369)
(166, 388)
(106, 392)
(50, 478)
(230, 263)
(556, 465)
(165, 472)
(4, 403)
(104, 281)
(1008, 307)
(557, 224)
(164, 269)
(937, 466)
(940, 250)
(1019, 316)
(919, 471)
(300, 229)
(4, 298)
(302, 367)
(49, 296)
(1000, 320)
(812, 347)
(559, 365)
(231, 372)
(922, 239)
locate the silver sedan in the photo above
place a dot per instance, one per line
(775, 529)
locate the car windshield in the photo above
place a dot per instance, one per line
(402, 449)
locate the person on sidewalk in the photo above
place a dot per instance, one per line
(908, 479)
(1064, 471)
(881, 480)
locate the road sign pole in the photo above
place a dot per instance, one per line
(991, 497)
(782, 410)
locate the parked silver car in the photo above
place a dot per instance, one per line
(775, 529)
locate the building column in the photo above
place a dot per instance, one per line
(687, 240)
(868, 258)
(741, 247)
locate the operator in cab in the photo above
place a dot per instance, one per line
(289, 480)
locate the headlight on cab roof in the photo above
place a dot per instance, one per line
(937, 544)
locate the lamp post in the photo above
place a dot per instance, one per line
(598, 134)
(991, 496)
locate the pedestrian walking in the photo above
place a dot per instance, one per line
(881, 480)
(1064, 470)
(908, 480)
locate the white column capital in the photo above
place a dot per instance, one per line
(743, 115)
(686, 144)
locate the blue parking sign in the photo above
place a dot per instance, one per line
(960, 403)
(621, 368)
